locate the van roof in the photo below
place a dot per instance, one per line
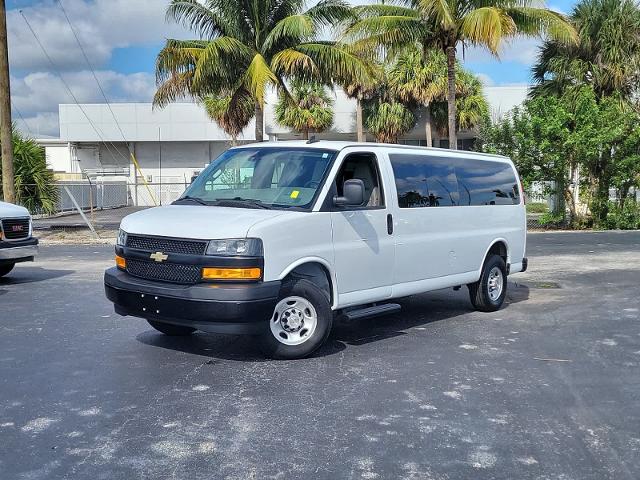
(340, 145)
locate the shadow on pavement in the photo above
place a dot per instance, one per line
(32, 275)
(417, 311)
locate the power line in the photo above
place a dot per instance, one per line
(57, 72)
(15, 109)
(86, 58)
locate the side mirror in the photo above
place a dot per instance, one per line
(353, 191)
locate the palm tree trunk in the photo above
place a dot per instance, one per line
(359, 121)
(305, 134)
(427, 124)
(451, 96)
(259, 122)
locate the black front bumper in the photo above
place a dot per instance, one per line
(238, 308)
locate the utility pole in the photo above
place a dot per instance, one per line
(8, 185)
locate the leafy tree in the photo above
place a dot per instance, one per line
(556, 137)
(448, 24)
(251, 46)
(232, 112)
(35, 186)
(307, 108)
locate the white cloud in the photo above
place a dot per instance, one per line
(102, 26)
(520, 50)
(36, 96)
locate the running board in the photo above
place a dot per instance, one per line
(369, 312)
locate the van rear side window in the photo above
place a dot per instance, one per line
(428, 181)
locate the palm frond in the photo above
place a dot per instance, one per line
(258, 76)
(487, 26)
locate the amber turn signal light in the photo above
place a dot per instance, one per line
(121, 263)
(231, 273)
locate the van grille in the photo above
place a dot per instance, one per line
(16, 228)
(165, 272)
(167, 245)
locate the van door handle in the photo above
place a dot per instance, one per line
(390, 224)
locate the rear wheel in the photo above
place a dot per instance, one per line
(488, 293)
(6, 268)
(300, 322)
(171, 330)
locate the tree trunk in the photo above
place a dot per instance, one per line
(427, 124)
(359, 120)
(8, 183)
(305, 134)
(259, 122)
(451, 96)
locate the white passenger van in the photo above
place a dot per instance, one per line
(279, 239)
(16, 243)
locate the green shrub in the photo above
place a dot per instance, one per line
(551, 219)
(625, 218)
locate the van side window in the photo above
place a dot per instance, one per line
(428, 181)
(486, 183)
(424, 181)
(363, 166)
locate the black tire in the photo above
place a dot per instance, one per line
(479, 291)
(274, 348)
(171, 330)
(6, 268)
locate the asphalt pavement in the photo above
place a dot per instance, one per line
(546, 388)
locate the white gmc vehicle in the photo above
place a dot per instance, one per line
(16, 243)
(278, 239)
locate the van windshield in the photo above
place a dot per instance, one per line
(261, 177)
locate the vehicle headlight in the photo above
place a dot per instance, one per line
(233, 247)
(122, 238)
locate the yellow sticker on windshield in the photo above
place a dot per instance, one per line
(295, 194)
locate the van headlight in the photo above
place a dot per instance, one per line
(236, 247)
(122, 238)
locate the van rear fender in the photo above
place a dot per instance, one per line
(499, 246)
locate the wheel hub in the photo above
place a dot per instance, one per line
(495, 283)
(292, 320)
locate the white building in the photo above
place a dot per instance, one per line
(173, 144)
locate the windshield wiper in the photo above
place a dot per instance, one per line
(187, 198)
(242, 202)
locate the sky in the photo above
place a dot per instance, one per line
(122, 38)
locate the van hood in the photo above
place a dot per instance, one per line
(9, 210)
(196, 221)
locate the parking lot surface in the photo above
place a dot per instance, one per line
(546, 388)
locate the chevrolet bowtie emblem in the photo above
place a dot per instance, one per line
(158, 256)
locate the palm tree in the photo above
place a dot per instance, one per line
(472, 109)
(252, 46)
(360, 91)
(447, 24)
(420, 78)
(388, 119)
(35, 186)
(232, 112)
(606, 57)
(307, 108)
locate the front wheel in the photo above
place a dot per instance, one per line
(6, 268)
(171, 330)
(488, 293)
(300, 322)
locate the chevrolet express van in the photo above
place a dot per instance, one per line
(279, 239)
(16, 243)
